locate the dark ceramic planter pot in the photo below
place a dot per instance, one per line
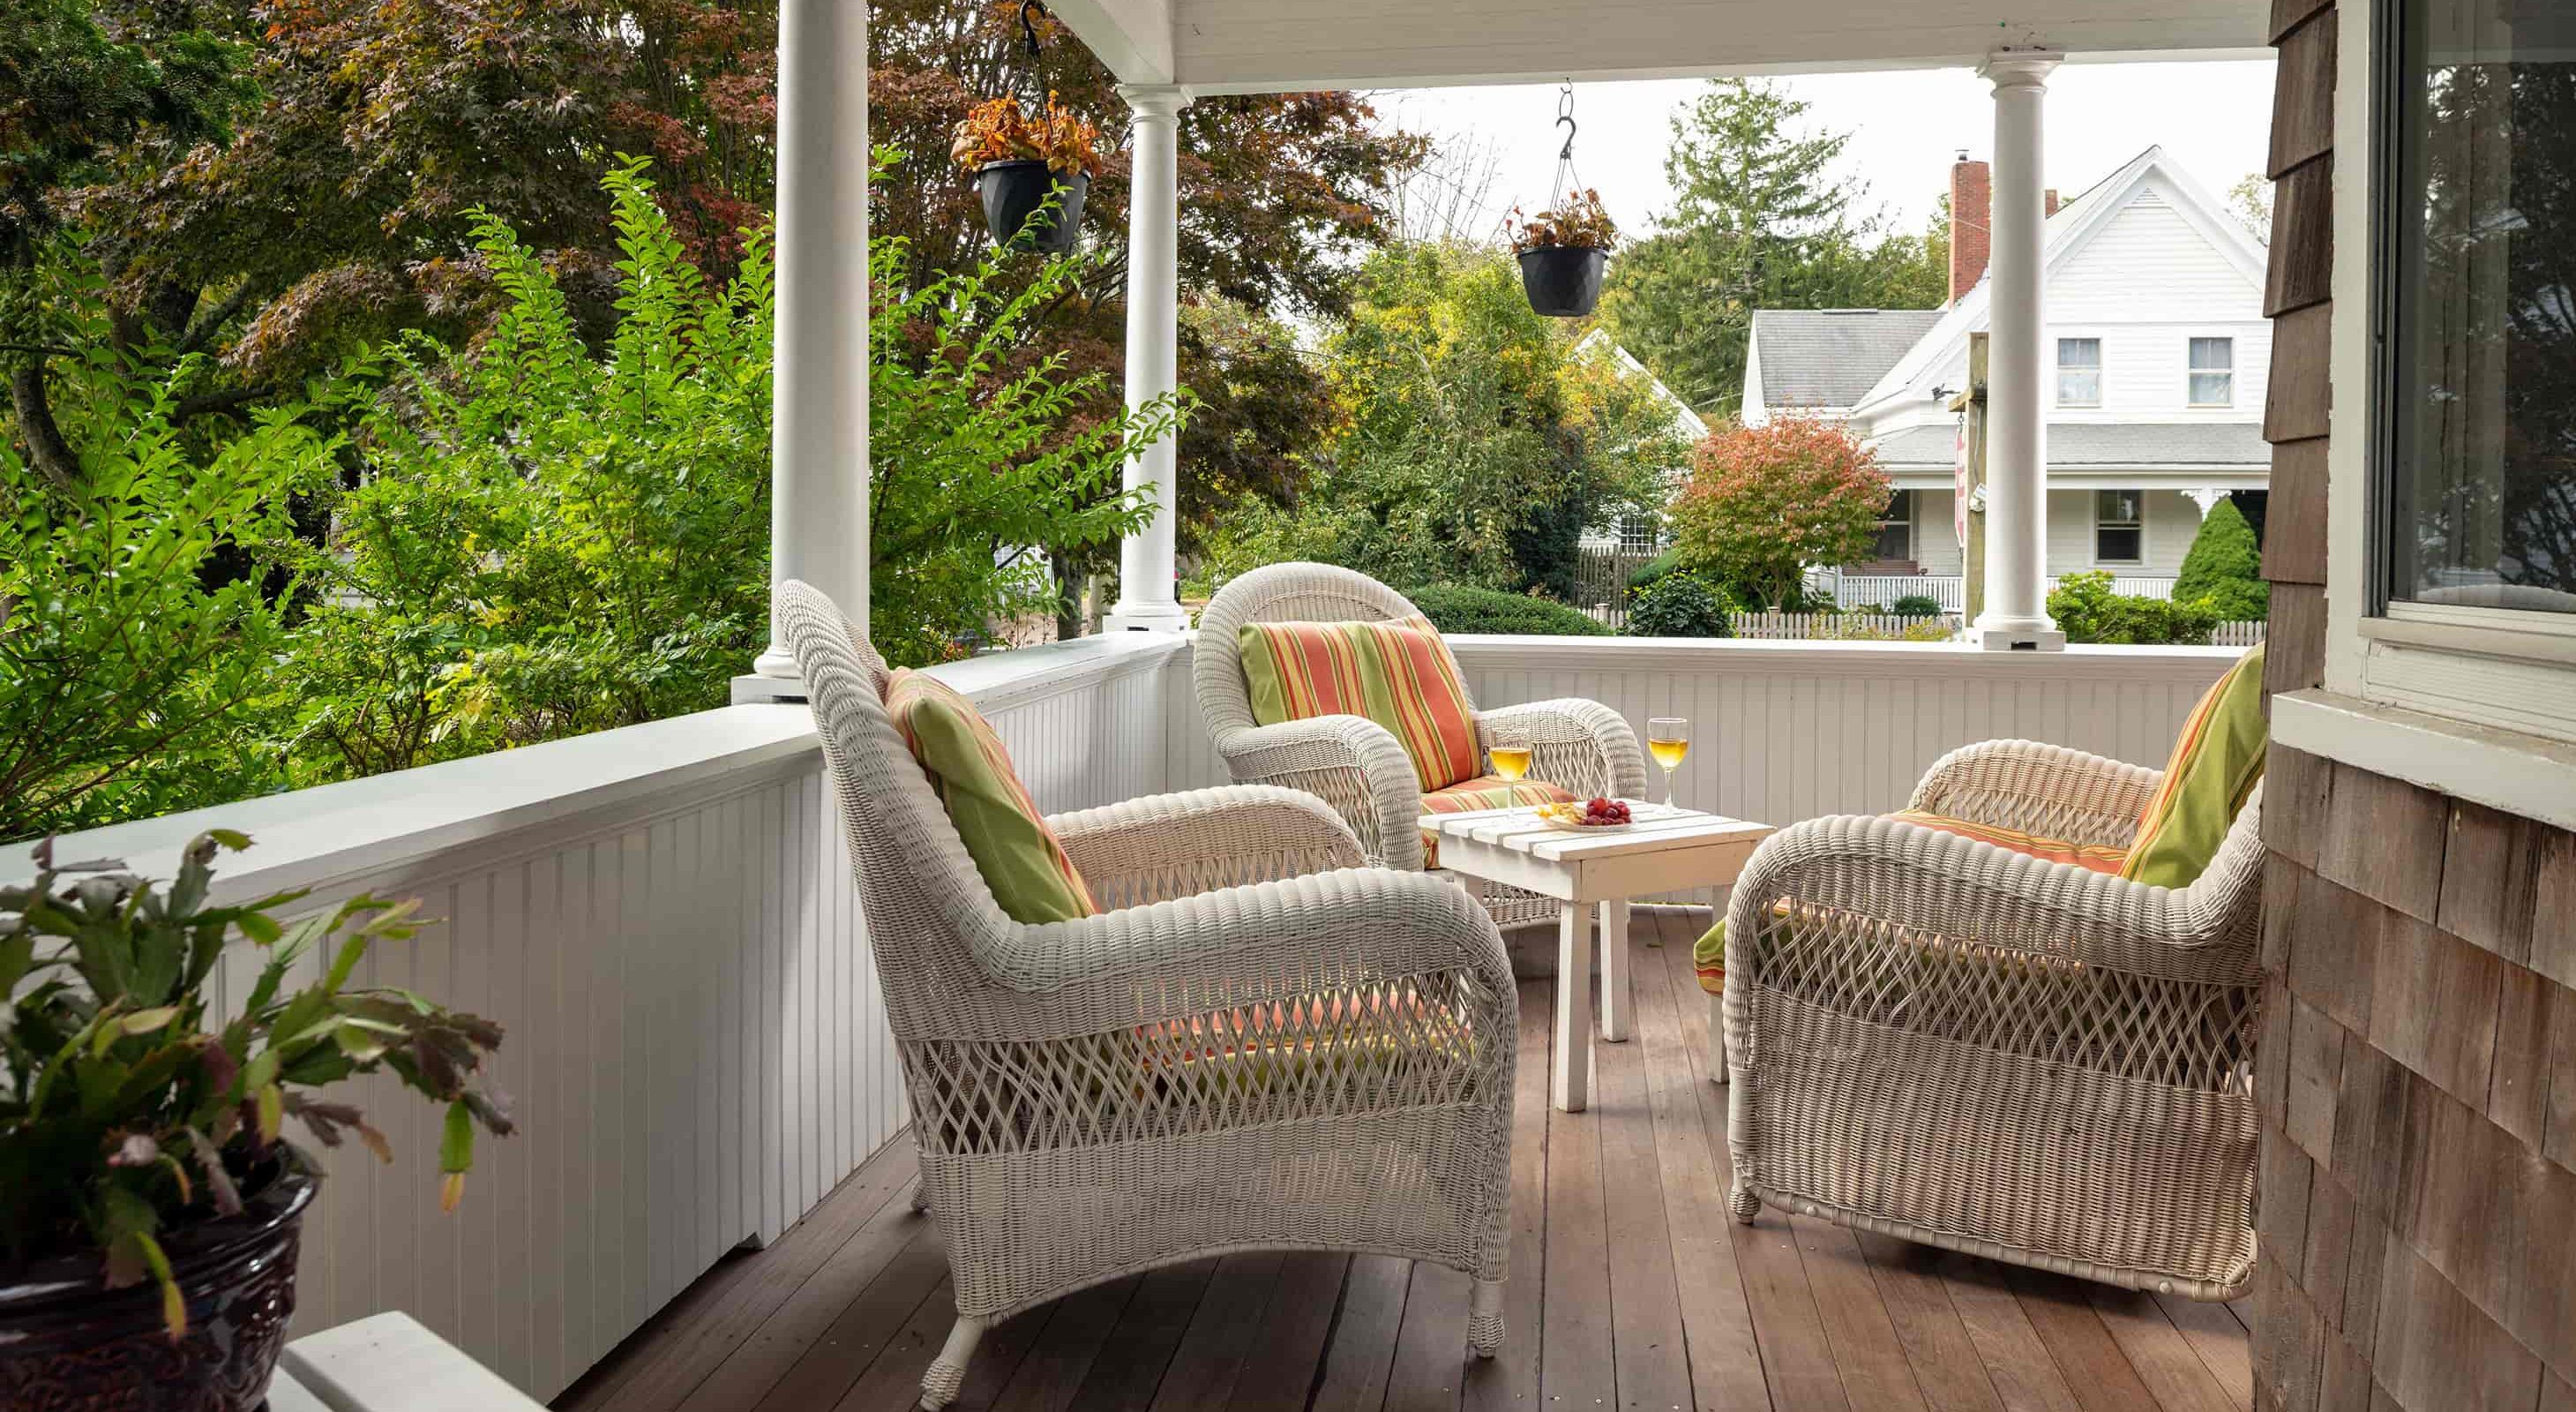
(68, 1344)
(1013, 194)
(1563, 281)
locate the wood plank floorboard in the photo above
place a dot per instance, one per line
(1634, 1291)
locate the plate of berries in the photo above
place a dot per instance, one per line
(1590, 816)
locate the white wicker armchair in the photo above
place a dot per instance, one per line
(1262, 1045)
(1942, 1040)
(1355, 764)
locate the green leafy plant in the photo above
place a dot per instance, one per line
(1578, 221)
(2087, 610)
(1680, 605)
(1464, 608)
(2224, 569)
(1915, 605)
(138, 660)
(128, 1109)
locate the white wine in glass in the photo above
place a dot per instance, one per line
(1668, 740)
(1511, 756)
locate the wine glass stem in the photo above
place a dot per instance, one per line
(1668, 788)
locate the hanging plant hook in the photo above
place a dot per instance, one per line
(1031, 11)
(1565, 120)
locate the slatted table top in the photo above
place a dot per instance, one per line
(1657, 828)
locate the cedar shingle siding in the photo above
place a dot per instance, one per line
(2417, 1071)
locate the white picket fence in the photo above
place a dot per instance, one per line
(2236, 635)
(1949, 590)
(1787, 627)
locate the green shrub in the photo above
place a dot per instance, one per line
(2087, 610)
(1458, 608)
(1680, 605)
(2224, 568)
(1916, 605)
(1654, 569)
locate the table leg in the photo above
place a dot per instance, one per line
(1573, 1007)
(1614, 970)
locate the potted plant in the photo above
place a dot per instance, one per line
(1032, 172)
(148, 1242)
(1563, 252)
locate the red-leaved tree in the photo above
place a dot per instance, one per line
(1764, 502)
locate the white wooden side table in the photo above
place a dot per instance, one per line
(387, 1363)
(1664, 850)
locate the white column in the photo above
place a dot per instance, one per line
(1146, 598)
(2016, 612)
(818, 439)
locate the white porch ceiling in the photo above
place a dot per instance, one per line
(1250, 46)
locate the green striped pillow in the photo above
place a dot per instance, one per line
(1019, 856)
(2216, 763)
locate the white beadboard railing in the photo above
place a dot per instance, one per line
(663, 919)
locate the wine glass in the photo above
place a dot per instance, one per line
(1668, 740)
(1511, 752)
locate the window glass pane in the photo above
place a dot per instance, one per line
(2119, 535)
(2213, 353)
(2212, 389)
(1895, 529)
(2482, 426)
(2079, 372)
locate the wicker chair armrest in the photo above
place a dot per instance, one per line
(2043, 789)
(1917, 885)
(1321, 935)
(1179, 845)
(1581, 746)
(1356, 765)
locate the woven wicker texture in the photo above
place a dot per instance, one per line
(1261, 1045)
(1356, 765)
(1950, 1042)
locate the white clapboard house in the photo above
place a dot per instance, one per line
(2153, 403)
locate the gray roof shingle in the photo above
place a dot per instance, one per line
(1830, 357)
(2102, 444)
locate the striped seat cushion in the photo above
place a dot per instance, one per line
(1019, 856)
(2091, 857)
(2216, 763)
(1398, 674)
(1483, 792)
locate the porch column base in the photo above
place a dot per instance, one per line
(2017, 635)
(761, 688)
(1148, 616)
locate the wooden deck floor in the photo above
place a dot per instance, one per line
(1631, 1290)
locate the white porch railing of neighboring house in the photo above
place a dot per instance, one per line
(1950, 590)
(663, 919)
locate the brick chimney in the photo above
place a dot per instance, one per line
(2052, 201)
(1971, 208)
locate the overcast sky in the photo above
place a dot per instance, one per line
(2215, 118)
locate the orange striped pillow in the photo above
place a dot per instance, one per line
(2091, 857)
(1398, 674)
(1019, 856)
(1483, 792)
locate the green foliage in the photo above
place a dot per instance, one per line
(1915, 605)
(1680, 605)
(136, 679)
(545, 542)
(1462, 608)
(130, 1108)
(975, 457)
(1478, 441)
(2087, 610)
(1765, 502)
(2223, 569)
(1667, 562)
(1762, 220)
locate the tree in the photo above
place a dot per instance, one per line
(1766, 502)
(1761, 220)
(2223, 568)
(2250, 201)
(1478, 442)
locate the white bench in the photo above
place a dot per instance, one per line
(387, 1363)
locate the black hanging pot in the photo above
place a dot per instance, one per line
(1563, 281)
(1015, 194)
(67, 1342)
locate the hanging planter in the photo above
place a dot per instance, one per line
(1032, 170)
(1565, 249)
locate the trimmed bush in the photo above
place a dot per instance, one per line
(1916, 605)
(1457, 608)
(1654, 568)
(2087, 610)
(1680, 605)
(2224, 569)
